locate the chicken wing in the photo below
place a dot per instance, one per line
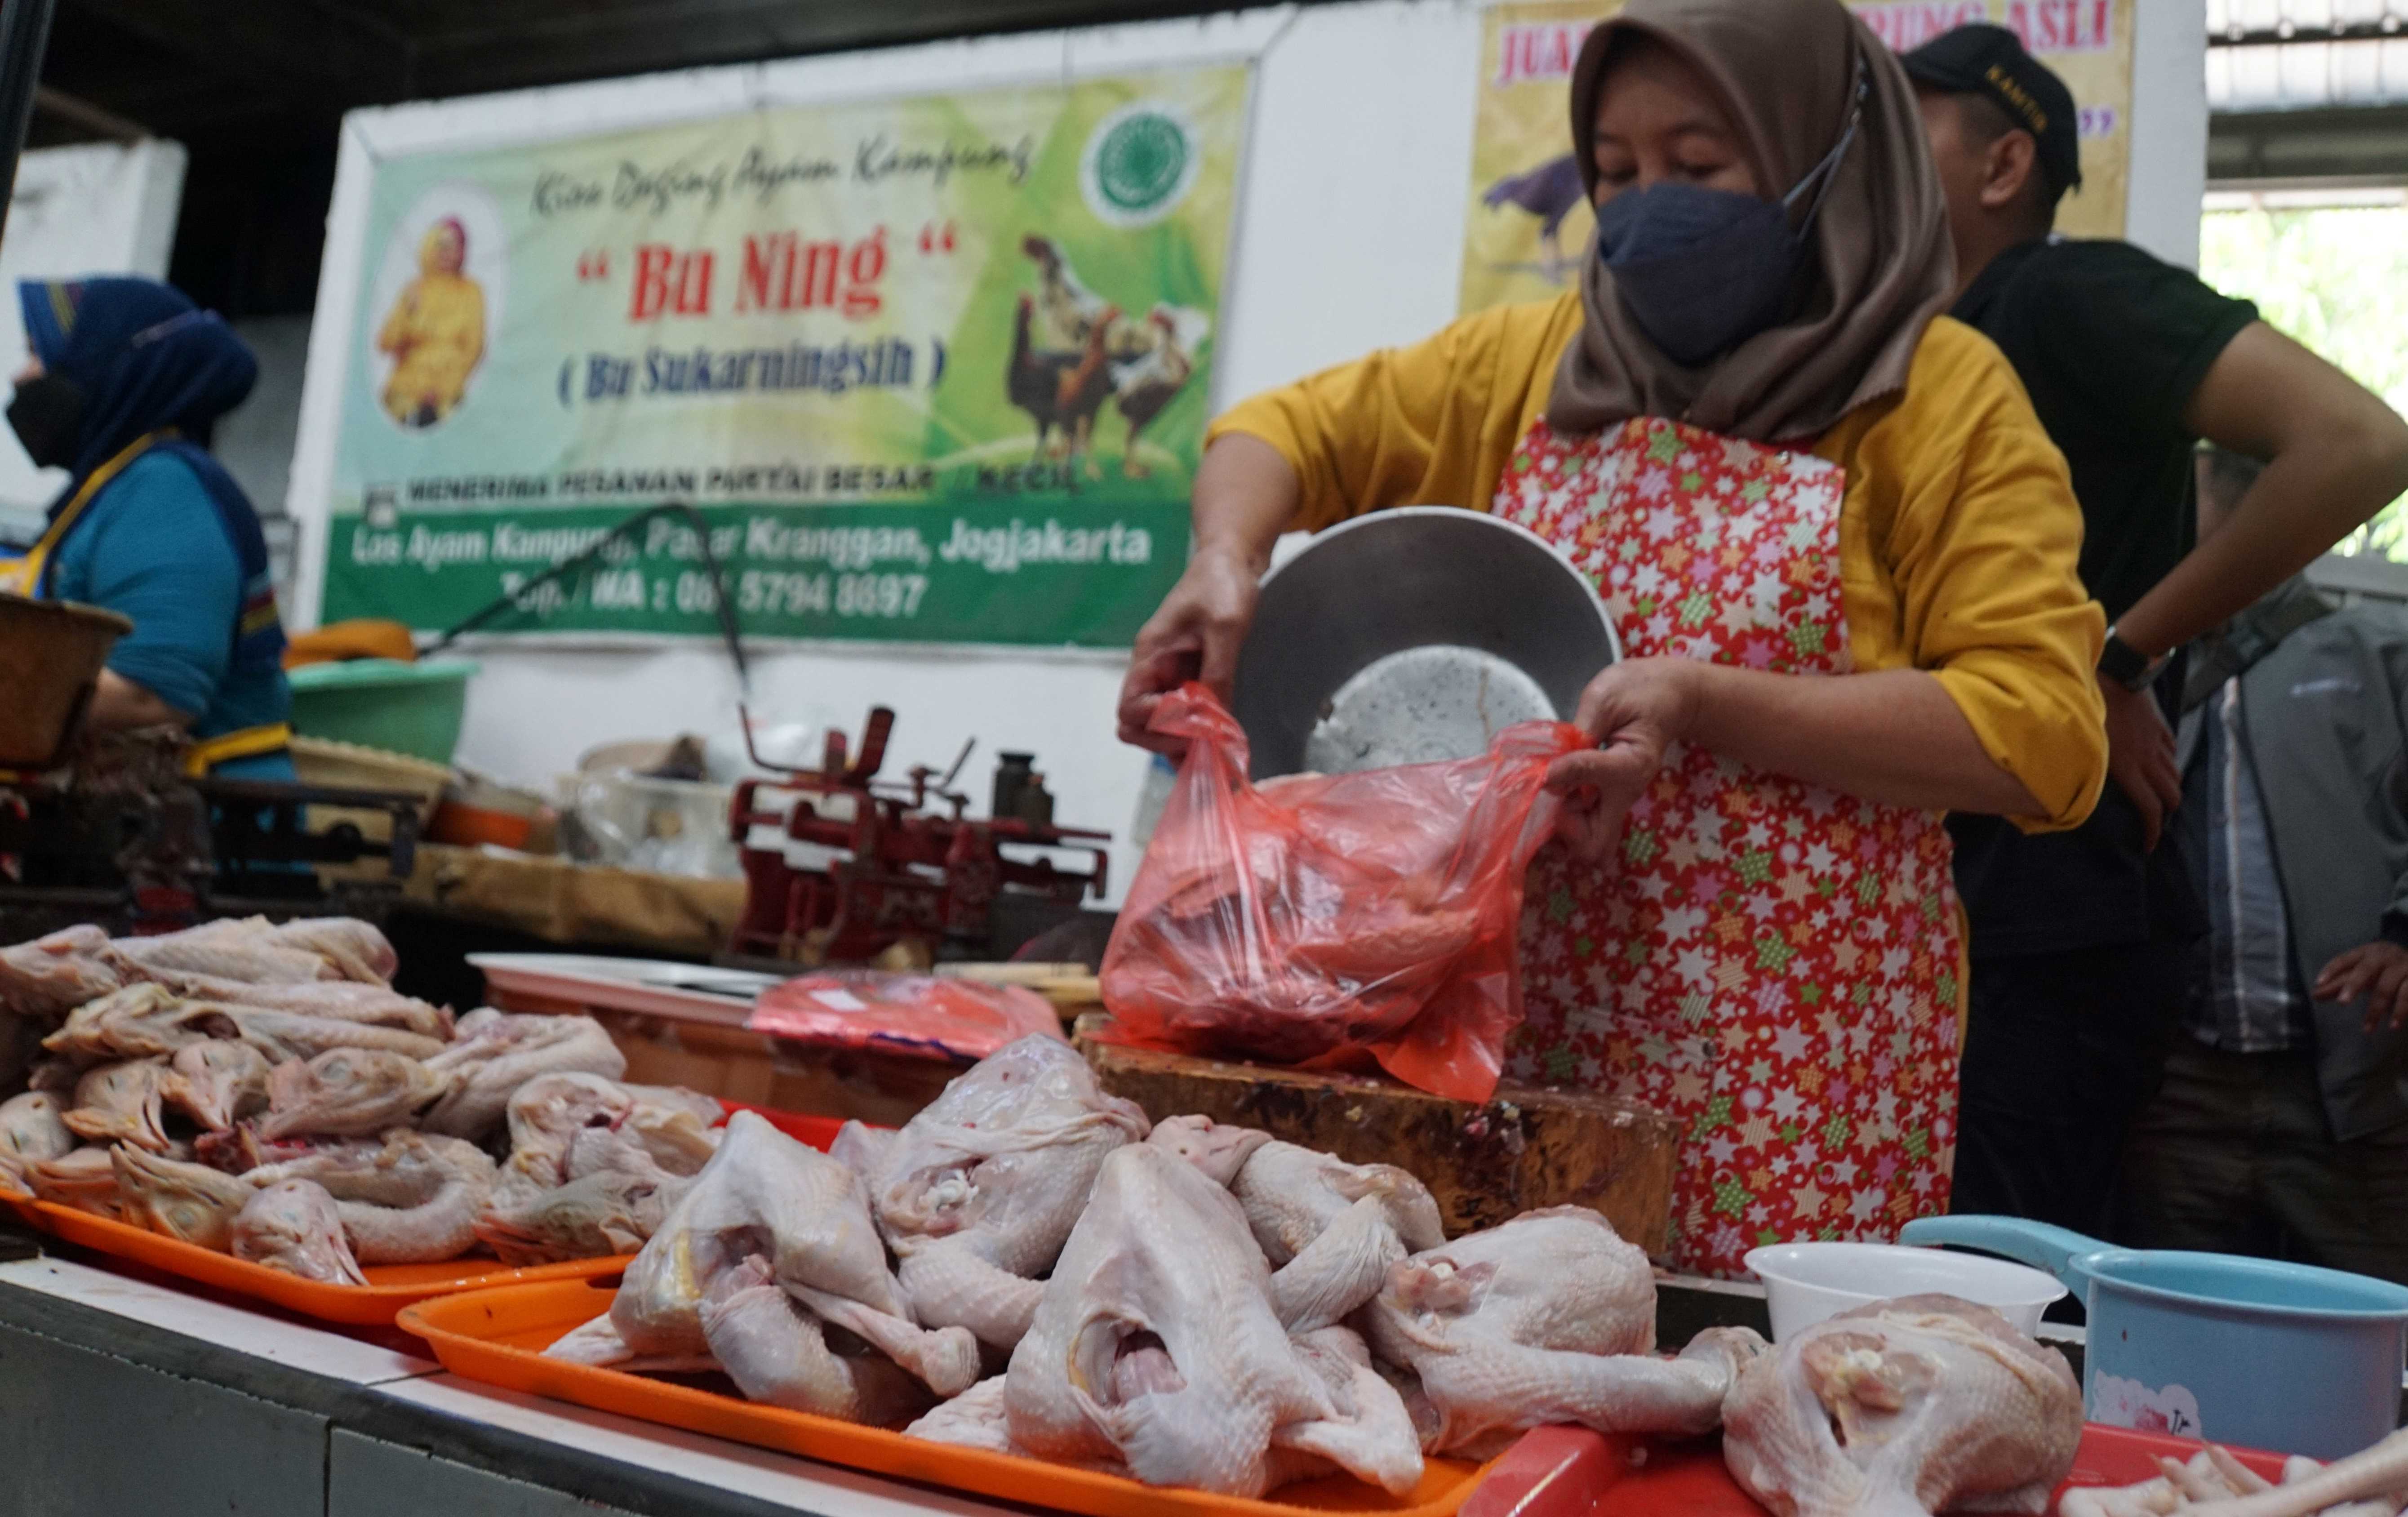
(492, 1054)
(1331, 1229)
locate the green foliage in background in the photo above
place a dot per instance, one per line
(2335, 278)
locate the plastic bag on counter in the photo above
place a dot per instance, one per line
(1317, 920)
(902, 1013)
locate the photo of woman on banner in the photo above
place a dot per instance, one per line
(435, 331)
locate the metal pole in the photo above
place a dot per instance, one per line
(24, 33)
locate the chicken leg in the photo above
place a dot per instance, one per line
(777, 1352)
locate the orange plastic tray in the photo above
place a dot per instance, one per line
(389, 1287)
(498, 1337)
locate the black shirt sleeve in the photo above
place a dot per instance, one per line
(2133, 334)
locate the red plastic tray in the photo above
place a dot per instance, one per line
(389, 1287)
(498, 1337)
(1572, 1473)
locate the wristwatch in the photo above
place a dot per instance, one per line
(2128, 665)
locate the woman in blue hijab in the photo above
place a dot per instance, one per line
(126, 379)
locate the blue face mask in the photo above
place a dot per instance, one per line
(1703, 270)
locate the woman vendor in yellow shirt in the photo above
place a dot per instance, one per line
(435, 331)
(1840, 553)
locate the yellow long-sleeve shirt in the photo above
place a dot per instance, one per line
(1959, 530)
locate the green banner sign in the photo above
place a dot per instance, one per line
(929, 370)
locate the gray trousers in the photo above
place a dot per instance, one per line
(2234, 1156)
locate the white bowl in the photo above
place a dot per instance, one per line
(1805, 1283)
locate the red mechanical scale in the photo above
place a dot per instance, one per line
(893, 867)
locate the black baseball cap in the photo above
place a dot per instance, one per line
(1990, 61)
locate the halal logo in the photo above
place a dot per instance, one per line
(1139, 166)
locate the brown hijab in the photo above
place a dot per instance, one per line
(1786, 72)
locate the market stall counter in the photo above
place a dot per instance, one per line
(237, 1409)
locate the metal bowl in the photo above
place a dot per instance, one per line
(1411, 635)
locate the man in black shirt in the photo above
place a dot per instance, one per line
(2084, 944)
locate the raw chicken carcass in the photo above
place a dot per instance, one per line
(216, 1083)
(246, 949)
(51, 977)
(292, 1226)
(765, 1194)
(412, 1199)
(347, 1092)
(1919, 1405)
(85, 1178)
(295, 1034)
(1331, 1229)
(492, 1055)
(1158, 1345)
(139, 1022)
(118, 1103)
(257, 952)
(978, 1192)
(567, 1126)
(336, 1000)
(355, 950)
(1550, 1318)
(777, 1352)
(592, 1217)
(187, 1201)
(653, 1141)
(30, 1131)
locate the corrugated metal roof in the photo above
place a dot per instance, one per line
(2248, 20)
(2306, 55)
(2307, 75)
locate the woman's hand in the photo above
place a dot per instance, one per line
(1636, 710)
(2141, 757)
(1245, 495)
(1194, 634)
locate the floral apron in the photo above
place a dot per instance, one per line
(1773, 963)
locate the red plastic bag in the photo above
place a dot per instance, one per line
(1316, 919)
(933, 1017)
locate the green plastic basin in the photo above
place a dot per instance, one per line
(410, 708)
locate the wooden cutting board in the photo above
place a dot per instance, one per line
(1485, 1163)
